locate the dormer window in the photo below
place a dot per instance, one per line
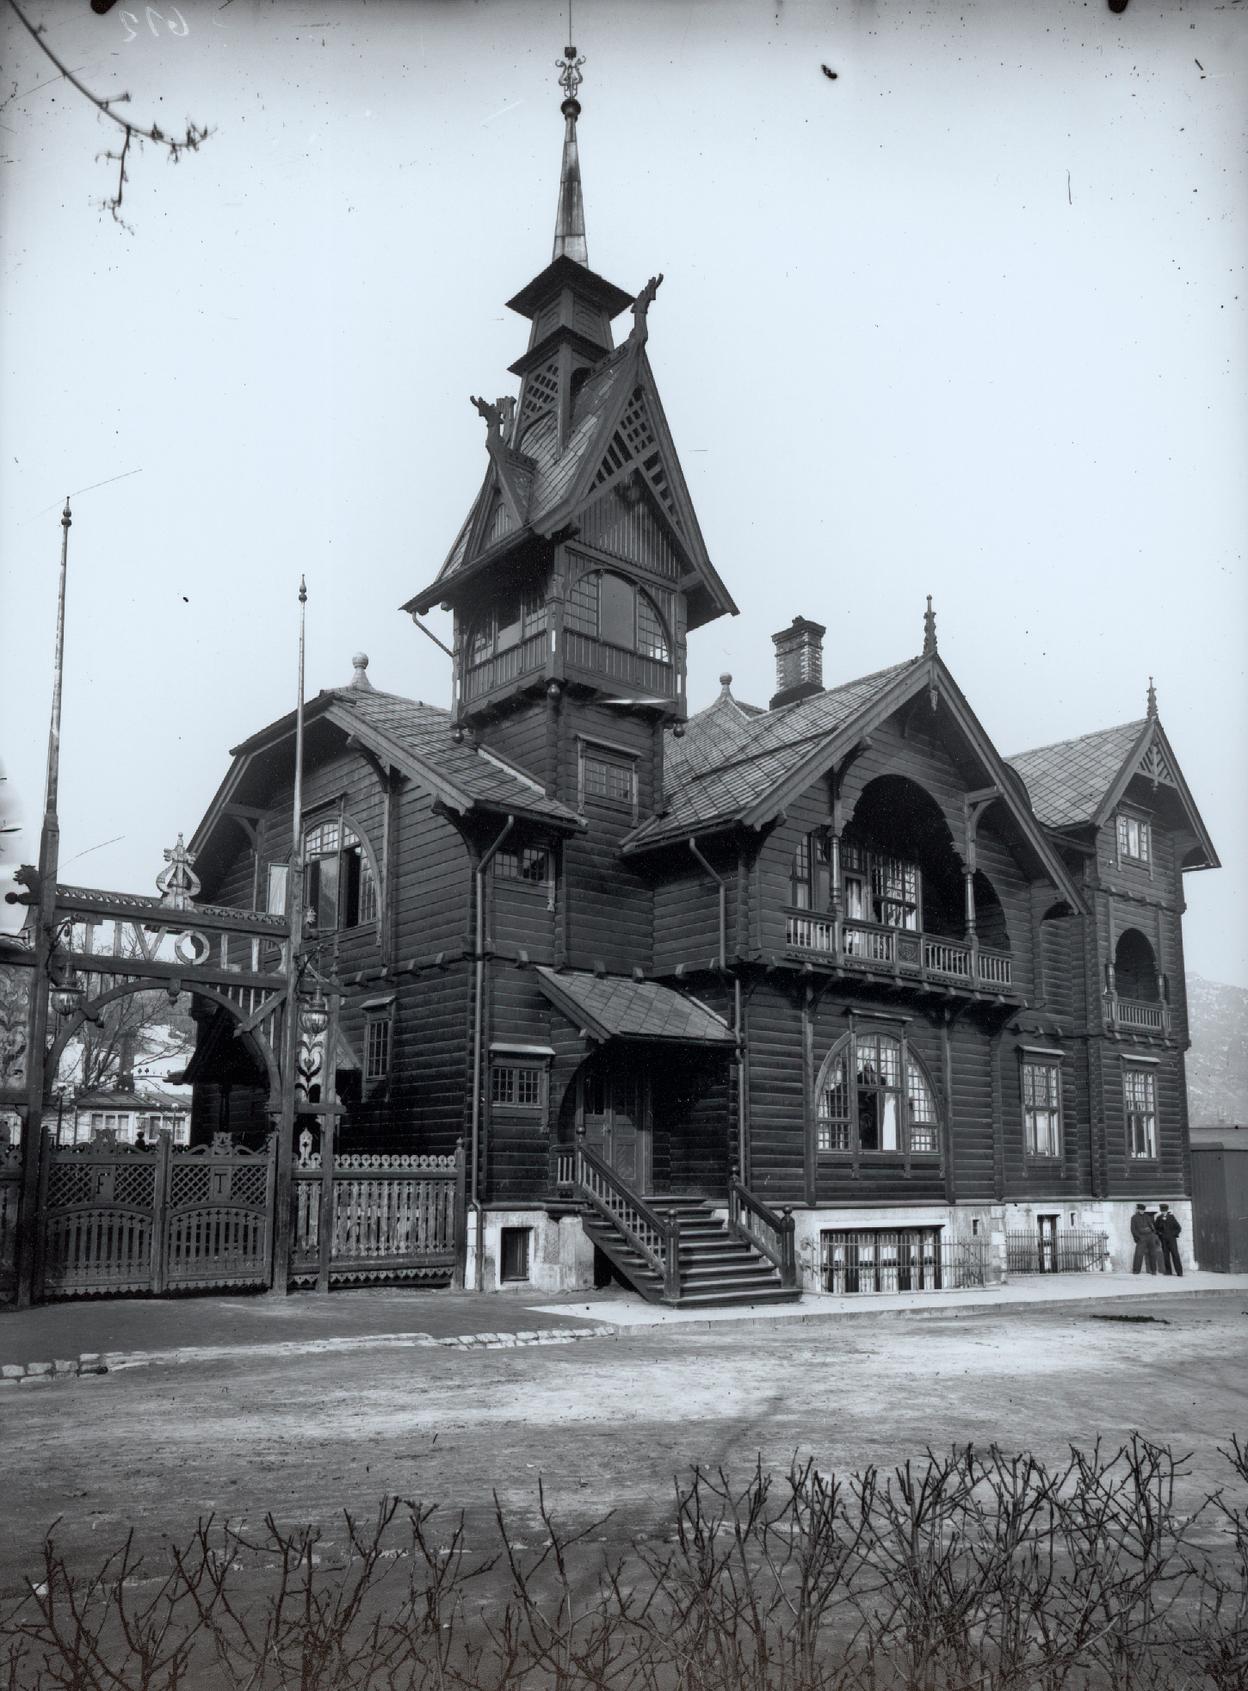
(1135, 843)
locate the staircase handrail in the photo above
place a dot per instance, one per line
(655, 1237)
(776, 1238)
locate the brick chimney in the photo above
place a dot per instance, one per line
(799, 661)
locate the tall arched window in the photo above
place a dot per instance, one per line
(874, 1097)
(340, 889)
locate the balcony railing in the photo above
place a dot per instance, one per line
(869, 946)
(506, 666)
(1139, 1015)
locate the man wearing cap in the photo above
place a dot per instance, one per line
(1167, 1229)
(1147, 1244)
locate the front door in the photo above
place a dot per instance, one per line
(615, 1104)
(1048, 1243)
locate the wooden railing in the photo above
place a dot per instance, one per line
(1137, 1013)
(654, 1237)
(769, 1232)
(870, 945)
(390, 1218)
(584, 651)
(519, 659)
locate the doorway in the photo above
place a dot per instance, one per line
(614, 1105)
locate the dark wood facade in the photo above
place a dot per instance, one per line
(855, 870)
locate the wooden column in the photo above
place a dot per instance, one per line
(329, 1143)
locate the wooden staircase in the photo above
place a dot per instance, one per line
(678, 1252)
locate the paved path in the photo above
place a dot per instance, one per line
(88, 1337)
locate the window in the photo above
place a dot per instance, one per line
(517, 616)
(376, 1048)
(516, 1086)
(1139, 1096)
(1042, 1108)
(530, 864)
(887, 1108)
(811, 887)
(895, 888)
(1134, 839)
(618, 612)
(514, 1253)
(878, 1260)
(609, 779)
(340, 888)
(275, 894)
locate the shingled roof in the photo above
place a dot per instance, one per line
(416, 738)
(1067, 781)
(727, 762)
(612, 1007)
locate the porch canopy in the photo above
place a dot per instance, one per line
(610, 1007)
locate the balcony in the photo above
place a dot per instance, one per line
(1137, 1015)
(898, 952)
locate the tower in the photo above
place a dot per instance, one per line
(580, 568)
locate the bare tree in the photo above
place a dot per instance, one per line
(174, 146)
(126, 1032)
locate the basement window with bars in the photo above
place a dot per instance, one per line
(882, 1260)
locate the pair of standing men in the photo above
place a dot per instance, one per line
(1156, 1240)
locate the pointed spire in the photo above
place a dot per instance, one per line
(929, 630)
(1152, 701)
(570, 217)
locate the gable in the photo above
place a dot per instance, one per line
(623, 524)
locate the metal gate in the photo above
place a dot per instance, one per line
(121, 1218)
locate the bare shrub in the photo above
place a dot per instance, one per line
(967, 1571)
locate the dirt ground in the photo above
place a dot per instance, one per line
(606, 1422)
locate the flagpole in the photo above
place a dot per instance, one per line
(44, 899)
(283, 1191)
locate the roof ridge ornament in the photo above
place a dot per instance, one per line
(570, 239)
(1152, 701)
(178, 884)
(929, 630)
(641, 306)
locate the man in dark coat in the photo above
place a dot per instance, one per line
(1167, 1229)
(1147, 1244)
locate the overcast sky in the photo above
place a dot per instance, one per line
(968, 319)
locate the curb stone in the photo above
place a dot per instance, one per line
(93, 1363)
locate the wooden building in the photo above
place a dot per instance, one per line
(924, 997)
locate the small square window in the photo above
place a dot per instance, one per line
(530, 864)
(609, 780)
(514, 1254)
(516, 1086)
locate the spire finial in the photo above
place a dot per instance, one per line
(929, 630)
(1152, 701)
(570, 217)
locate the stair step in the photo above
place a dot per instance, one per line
(722, 1300)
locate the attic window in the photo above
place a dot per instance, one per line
(340, 887)
(1134, 839)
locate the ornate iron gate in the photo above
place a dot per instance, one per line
(124, 1218)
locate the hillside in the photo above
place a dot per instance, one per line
(1217, 1064)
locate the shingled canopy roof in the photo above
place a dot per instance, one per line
(1067, 781)
(612, 1007)
(727, 761)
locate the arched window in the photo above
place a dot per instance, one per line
(620, 613)
(340, 888)
(874, 1097)
(1135, 967)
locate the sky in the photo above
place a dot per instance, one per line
(966, 319)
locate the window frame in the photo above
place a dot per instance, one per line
(1049, 1063)
(379, 1019)
(1124, 822)
(1138, 1069)
(619, 758)
(838, 1133)
(516, 1064)
(351, 842)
